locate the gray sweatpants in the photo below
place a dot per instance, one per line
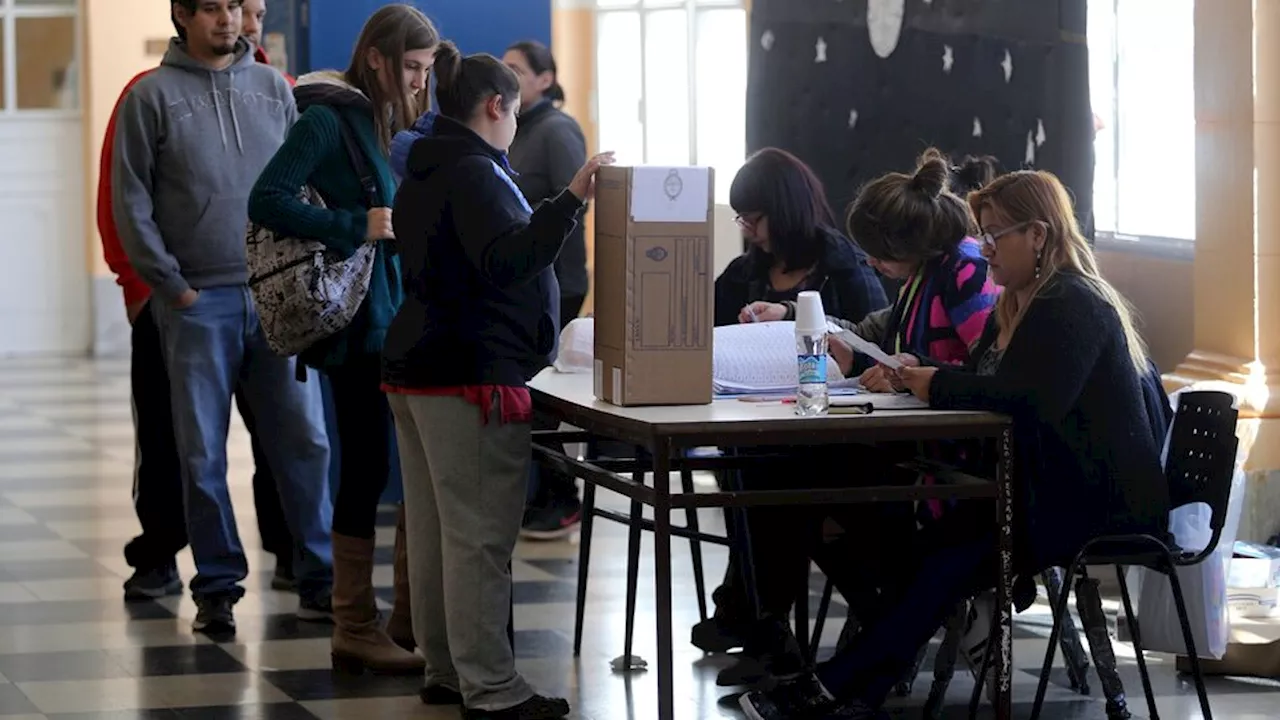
(464, 491)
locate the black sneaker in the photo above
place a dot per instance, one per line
(719, 634)
(318, 609)
(439, 695)
(801, 698)
(283, 578)
(535, 708)
(554, 522)
(214, 616)
(153, 584)
(771, 651)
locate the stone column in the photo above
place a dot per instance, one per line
(573, 42)
(1237, 262)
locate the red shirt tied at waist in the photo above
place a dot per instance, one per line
(515, 405)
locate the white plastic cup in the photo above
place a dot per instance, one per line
(809, 315)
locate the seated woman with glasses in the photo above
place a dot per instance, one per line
(1062, 356)
(794, 246)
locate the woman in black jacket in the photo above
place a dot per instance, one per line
(793, 245)
(479, 319)
(1062, 357)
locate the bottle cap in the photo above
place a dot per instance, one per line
(809, 314)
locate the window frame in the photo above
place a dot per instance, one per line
(1114, 239)
(10, 13)
(642, 8)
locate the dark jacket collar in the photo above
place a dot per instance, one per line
(449, 142)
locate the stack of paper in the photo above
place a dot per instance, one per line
(759, 359)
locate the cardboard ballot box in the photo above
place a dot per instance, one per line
(653, 285)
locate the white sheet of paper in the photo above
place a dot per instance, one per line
(670, 194)
(865, 347)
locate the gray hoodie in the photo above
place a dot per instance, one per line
(190, 143)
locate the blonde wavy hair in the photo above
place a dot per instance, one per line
(1029, 196)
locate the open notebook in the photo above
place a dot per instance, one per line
(760, 358)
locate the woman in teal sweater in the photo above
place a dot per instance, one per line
(382, 92)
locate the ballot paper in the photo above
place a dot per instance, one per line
(865, 347)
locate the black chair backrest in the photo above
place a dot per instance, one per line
(1202, 454)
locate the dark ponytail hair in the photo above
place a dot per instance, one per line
(462, 83)
(910, 217)
(541, 60)
(974, 173)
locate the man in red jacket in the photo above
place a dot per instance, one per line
(157, 484)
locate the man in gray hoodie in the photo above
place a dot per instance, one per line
(191, 139)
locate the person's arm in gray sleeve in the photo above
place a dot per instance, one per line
(872, 327)
(132, 183)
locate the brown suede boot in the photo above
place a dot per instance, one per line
(400, 625)
(359, 642)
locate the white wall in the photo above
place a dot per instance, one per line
(44, 279)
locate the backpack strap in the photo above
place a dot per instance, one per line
(359, 162)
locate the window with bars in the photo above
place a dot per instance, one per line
(671, 83)
(39, 56)
(1141, 55)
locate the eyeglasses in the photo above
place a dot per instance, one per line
(747, 221)
(989, 239)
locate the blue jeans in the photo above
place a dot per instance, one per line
(211, 349)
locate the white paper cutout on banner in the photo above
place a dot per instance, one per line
(977, 128)
(884, 23)
(1030, 158)
(766, 40)
(1008, 66)
(948, 58)
(820, 51)
(853, 119)
(1040, 136)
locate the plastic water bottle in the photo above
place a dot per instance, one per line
(811, 355)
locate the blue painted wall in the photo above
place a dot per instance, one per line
(475, 25)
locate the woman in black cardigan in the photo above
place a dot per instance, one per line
(1061, 356)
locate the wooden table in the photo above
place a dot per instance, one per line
(667, 431)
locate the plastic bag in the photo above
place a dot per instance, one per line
(577, 346)
(1204, 586)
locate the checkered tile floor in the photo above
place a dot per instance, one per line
(69, 648)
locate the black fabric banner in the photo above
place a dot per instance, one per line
(857, 88)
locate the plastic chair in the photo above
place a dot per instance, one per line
(1199, 468)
